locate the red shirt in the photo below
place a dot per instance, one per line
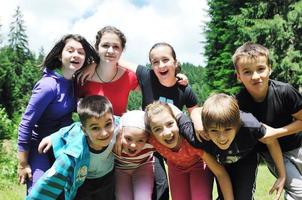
(185, 157)
(116, 91)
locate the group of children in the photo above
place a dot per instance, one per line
(105, 157)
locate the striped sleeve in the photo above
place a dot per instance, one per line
(54, 181)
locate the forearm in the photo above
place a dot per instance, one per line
(289, 129)
(276, 153)
(23, 158)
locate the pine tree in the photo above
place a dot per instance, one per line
(17, 37)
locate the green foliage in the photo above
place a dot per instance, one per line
(8, 128)
(274, 24)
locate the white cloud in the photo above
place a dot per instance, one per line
(177, 22)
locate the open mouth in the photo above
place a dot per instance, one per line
(131, 151)
(171, 140)
(164, 73)
(223, 143)
(75, 62)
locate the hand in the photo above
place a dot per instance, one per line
(269, 134)
(24, 173)
(182, 79)
(45, 145)
(175, 110)
(118, 144)
(278, 187)
(200, 133)
(86, 73)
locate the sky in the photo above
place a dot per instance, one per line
(144, 22)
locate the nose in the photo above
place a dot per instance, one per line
(133, 145)
(221, 135)
(161, 64)
(255, 75)
(167, 133)
(110, 49)
(104, 133)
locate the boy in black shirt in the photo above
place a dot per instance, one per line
(233, 137)
(276, 104)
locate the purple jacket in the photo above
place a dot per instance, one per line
(49, 109)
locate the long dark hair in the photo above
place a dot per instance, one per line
(52, 60)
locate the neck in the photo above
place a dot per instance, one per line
(259, 97)
(67, 74)
(106, 72)
(168, 83)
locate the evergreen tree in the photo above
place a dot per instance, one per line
(17, 37)
(274, 24)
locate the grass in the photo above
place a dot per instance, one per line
(264, 182)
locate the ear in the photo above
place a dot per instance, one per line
(238, 77)
(84, 130)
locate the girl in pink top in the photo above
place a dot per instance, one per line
(134, 168)
(189, 176)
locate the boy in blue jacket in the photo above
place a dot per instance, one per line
(84, 157)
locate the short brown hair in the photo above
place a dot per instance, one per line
(220, 110)
(154, 109)
(93, 106)
(250, 50)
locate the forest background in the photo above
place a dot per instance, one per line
(275, 24)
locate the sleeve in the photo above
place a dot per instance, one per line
(42, 95)
(191, 98)
(59, 139)
(133, 80)
(141, 73)
(54, 181)
(186, 129)
(292, 99)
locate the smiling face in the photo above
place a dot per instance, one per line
(165, 130)
(163, 64)
(99, 131)
(134, 140)
(73, 56)
(110, 47)
(222, 136)
(254, 74)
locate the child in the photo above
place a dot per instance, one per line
(189, 176)
(51, 104)
(134, 166)
(79, 149)
(275, 104)
(233, 138)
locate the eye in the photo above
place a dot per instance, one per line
(116, 47)
(229, 129)
(156, 130)
(105, 46)
(170, 124)
(108, 125)
(247, 72)
(95, 128)
(129, 139)
(156, 62)
(165, 60)
(81, 52)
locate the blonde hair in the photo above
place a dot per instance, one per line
(220, 110)
(250, 50)
(156, 108)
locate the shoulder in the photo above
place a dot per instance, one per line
(248, 120)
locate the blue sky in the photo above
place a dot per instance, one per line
(144, 22)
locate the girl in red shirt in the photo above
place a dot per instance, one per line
(189, 176)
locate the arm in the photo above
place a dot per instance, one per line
(292, 128)
(221, 175)
(86, 73)
(54, 181)
(275, 151)
(196, 119)
(24, 170)
(128, 65)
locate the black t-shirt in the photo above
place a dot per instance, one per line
(153, 90)
(244, 143)
(276, 110)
